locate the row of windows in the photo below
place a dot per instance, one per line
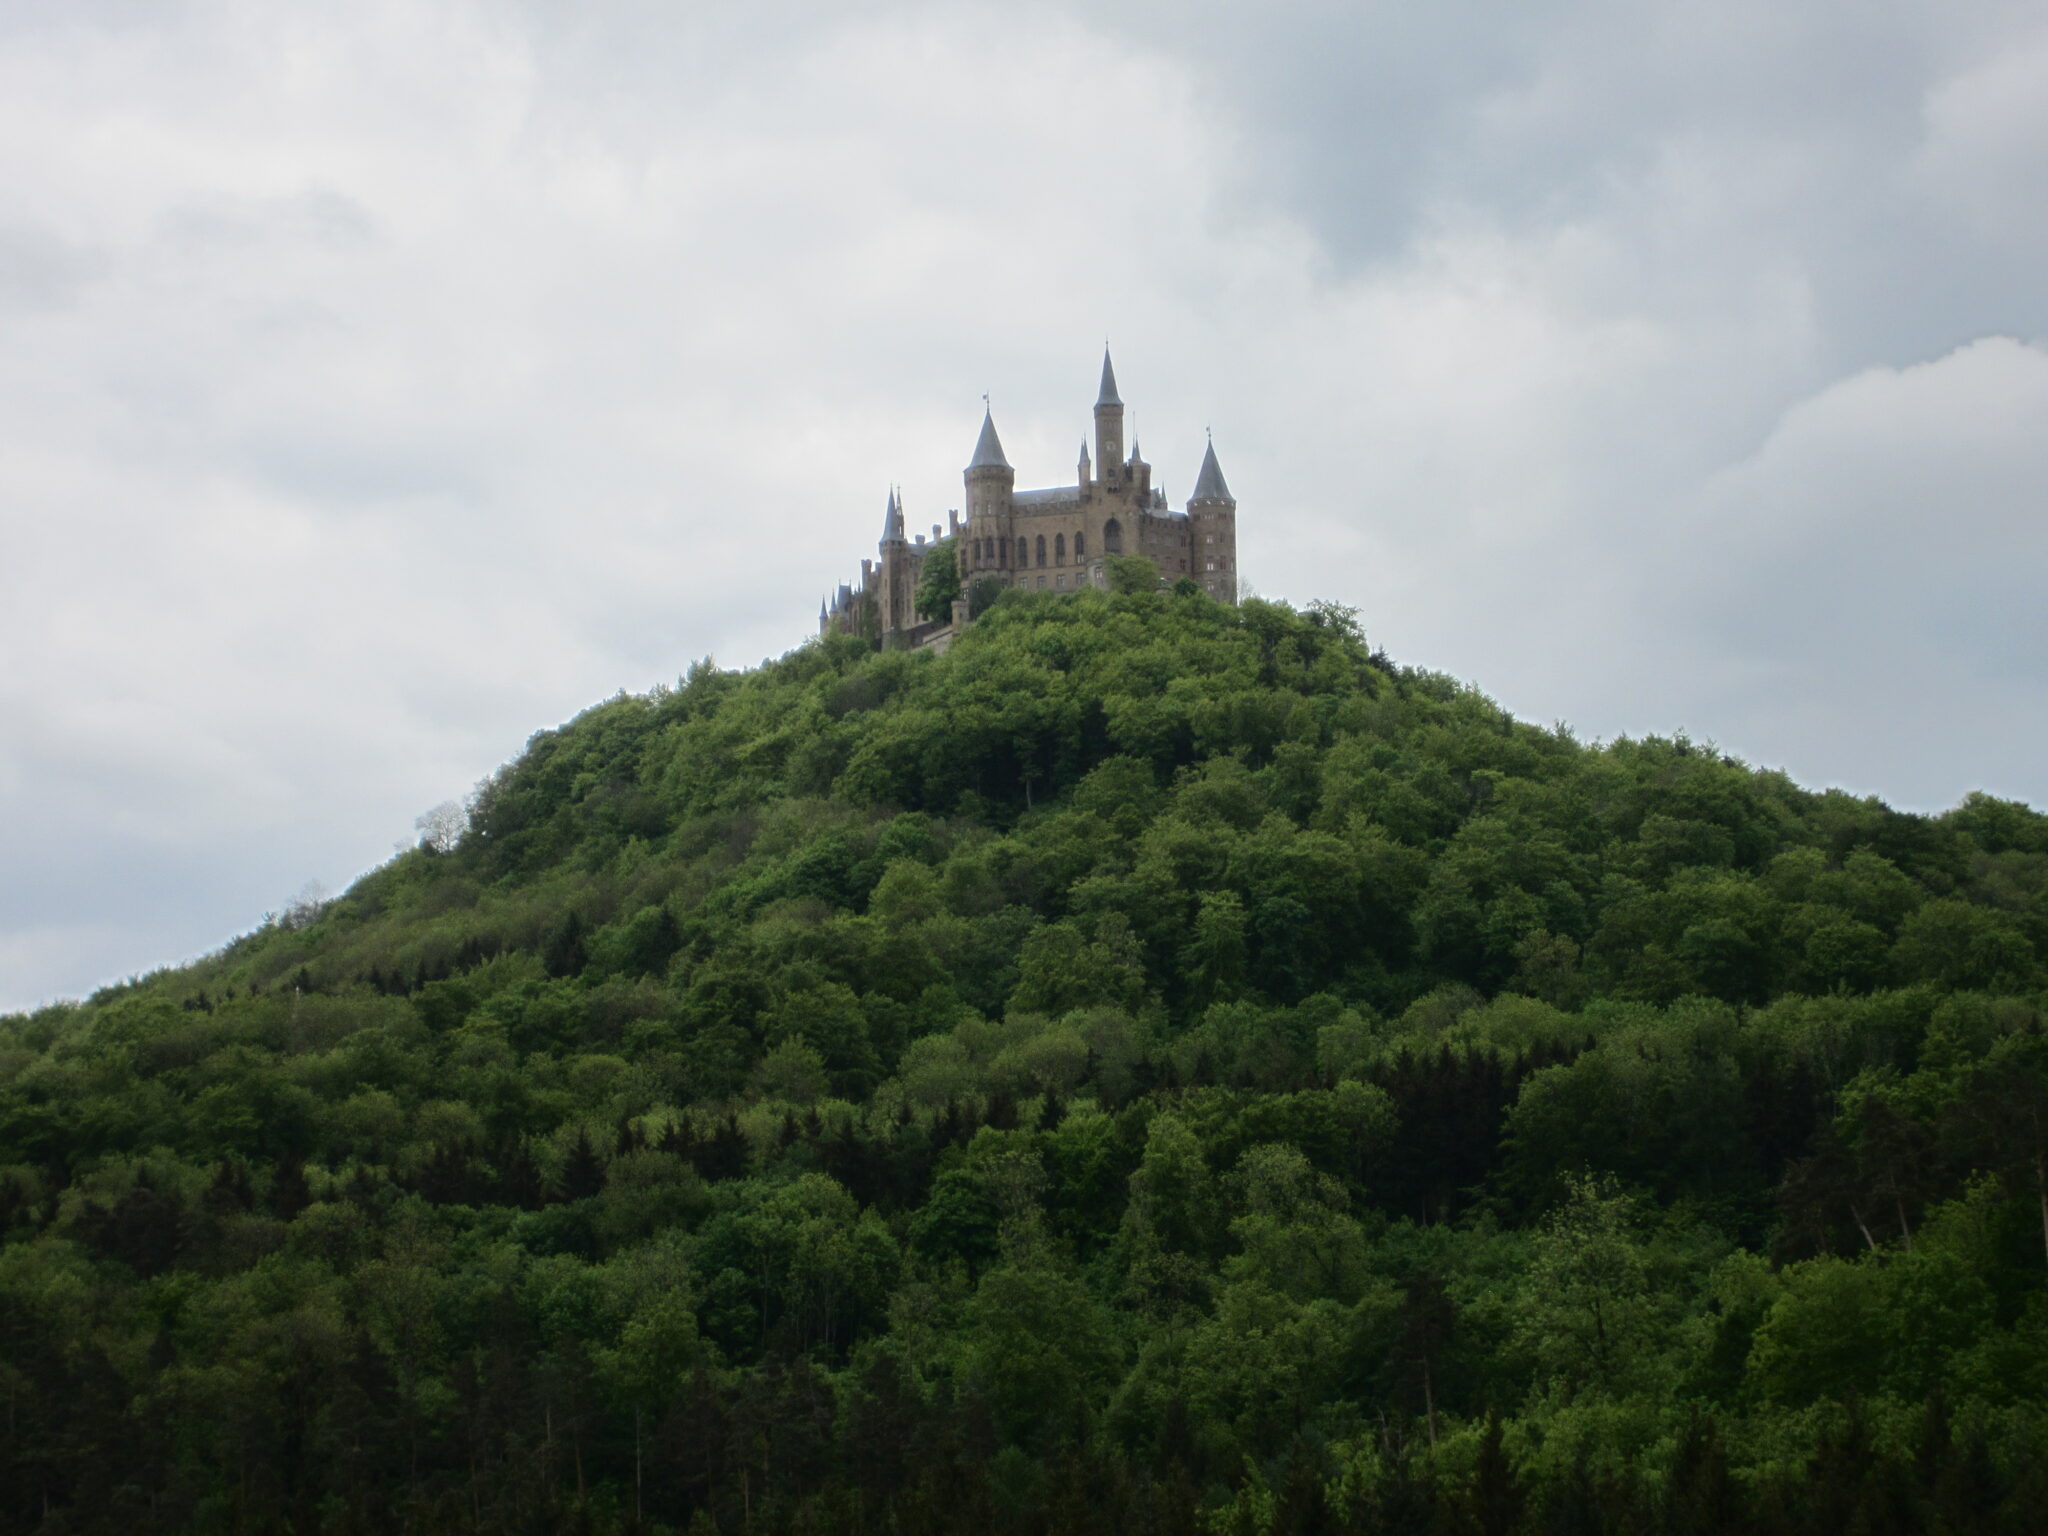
(987, 552)
(985, 549)
(1060, 581)
(1080, 581)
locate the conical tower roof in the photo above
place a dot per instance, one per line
(892, 521)
(1210, 484)
(988, 448)
(1107, 395)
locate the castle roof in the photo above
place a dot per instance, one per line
(988, 448)
(1209, 484)
(1108, 394)
(892, 521)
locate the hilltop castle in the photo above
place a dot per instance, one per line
(1053, 539)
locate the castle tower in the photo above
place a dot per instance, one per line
(897, 574)
(1109, 427)
(1212, 526)
(1138, 474)
(990, 513)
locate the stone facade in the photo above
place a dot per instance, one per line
(1055, 539)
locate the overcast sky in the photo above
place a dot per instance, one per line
(382, 382)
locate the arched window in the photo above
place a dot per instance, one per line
(1113, 537)
(1041, 549)
(1023, 550)
(1080, 547)
(1059, 549)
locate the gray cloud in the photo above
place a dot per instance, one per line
(380, 383)
(43, 271)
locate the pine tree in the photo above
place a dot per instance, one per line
(583, 1172)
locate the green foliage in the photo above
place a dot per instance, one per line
(1130, 574)
(1156, 1066)
(938, 582)
(984, 593)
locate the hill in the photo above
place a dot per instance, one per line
(1157, 1066)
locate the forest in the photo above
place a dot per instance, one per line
(1157, 1067)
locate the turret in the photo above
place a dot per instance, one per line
(1209, 483)
(1081, 470)
(990, 480)
(1212, 525)
(898, 571)
(1109, 426)
(988, 448)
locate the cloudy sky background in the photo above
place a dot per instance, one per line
(381, 382)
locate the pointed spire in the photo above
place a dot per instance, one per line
(1136, 456)
(988, 448)
(892, 520)
(1108, 394)
(1209, 484)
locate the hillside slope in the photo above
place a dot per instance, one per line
(1154, 1065)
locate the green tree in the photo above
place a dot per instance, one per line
(1128, 574)
(1588, 1313)
(1039, 1344)
(984, 593)
(938, 582)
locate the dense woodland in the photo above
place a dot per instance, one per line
(1157, 1067)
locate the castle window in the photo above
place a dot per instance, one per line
(1113, 537)
(1059, 549)
(1059, 581)
(1041, 556)
(1080, 546)
(1023, 550)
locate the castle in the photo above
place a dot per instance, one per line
(1054, 539)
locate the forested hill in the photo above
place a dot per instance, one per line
(1156, 1067)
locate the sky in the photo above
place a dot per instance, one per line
(382, 382)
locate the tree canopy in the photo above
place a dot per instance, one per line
(1156, 1066)
(938, 582)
